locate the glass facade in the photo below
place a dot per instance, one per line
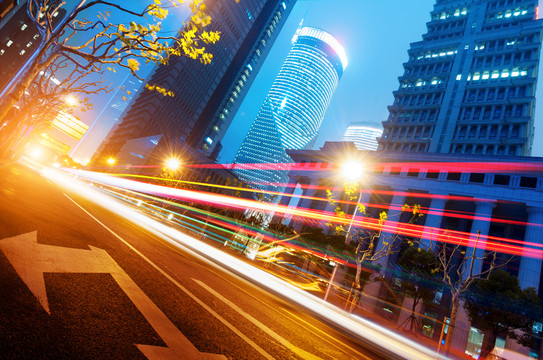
(206, 96)
(294, 108)
(363, 135)
(469, 85)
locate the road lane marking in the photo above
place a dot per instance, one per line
(31, 260)
(304, 354)
(181, 287)
(290, 314)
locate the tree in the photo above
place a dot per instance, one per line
(458, 272)
(90, 44)
(371, 242)
(47, 97)
(419, 267)
(499, 307)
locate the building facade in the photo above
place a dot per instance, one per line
(206, 96)
(294, 108)
(469, 85)
(502, 198)
(18, 38)
(364, 135)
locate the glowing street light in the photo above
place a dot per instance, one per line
(71, 100)
(111, 161)
(173, 164)
(352, 170)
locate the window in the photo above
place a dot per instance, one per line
(455, 176)
(477, 177)
(395, 171)
(432, 174)
(528, 182)
(501, 179)
(413, 172)
(482, 132)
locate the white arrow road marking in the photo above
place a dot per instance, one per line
(31, 260)
(304, 354)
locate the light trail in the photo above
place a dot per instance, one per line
(396, 207)
(387, 340)
(502, 245)
(506, 167)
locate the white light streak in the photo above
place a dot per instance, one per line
(387, 340)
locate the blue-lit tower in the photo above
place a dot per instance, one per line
(294, 108)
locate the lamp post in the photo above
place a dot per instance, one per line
(352, 171)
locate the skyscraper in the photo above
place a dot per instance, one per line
(364, 135)
(294, 107)
(18, 38)
(206, 96)
(469, 85)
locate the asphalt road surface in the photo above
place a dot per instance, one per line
(79, 282)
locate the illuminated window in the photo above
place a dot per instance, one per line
(9, 43)
(22, 52)
(486, 75)
(24, 26)
(505, 73)
(495, 74)
(459, 77)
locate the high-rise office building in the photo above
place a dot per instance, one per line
(364, 135)
(294, 107)
(206, 96)
(18, 38)
(469, 85)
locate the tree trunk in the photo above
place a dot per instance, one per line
(413, 320)
(452, 322)
(488, 345)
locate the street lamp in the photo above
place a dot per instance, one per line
(111, 161)
(352, 171)
(71, 100)
(173, 164)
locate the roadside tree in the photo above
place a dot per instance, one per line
(88, 44)
(500, 308)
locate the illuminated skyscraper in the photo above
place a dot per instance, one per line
(294, 108)
(469, 85)
(363, 135)
(206, 96)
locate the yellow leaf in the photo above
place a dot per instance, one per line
(133, 64)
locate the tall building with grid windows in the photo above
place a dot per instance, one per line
(469, 85)
(206, 96)
(363, 135)
(294, 108)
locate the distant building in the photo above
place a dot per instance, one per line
(363, 135)
(469, 86)
(206, 96)
(293, 109)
